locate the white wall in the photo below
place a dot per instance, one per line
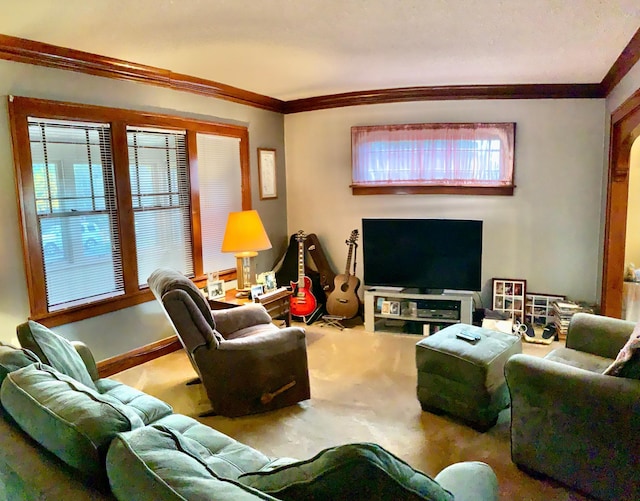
(121, 331)
(547, 233)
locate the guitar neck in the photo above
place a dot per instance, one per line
(300, 263)
(349, 254)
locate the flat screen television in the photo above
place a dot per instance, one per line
(427, 254)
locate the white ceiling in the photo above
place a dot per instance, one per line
(290, 49)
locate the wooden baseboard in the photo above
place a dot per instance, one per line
(132, 358)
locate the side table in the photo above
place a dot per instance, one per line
(276, 302)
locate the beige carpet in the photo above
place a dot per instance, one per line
(363, 389)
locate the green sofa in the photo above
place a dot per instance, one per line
(571, 422)
(67, 434)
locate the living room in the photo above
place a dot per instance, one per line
(551, 232)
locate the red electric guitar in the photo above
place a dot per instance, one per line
(303, 302)
(343, 300)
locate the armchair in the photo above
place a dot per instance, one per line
(246, 364)
(571, 422)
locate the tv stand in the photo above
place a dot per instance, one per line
(410, 312)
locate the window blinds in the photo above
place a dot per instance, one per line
(220, 181)
(75, 204)
(160, 195)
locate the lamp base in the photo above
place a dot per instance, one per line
(246, 270)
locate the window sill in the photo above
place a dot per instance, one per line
(433, 190)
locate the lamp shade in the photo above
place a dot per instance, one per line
(245, 232)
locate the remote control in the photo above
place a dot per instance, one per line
(468, 336)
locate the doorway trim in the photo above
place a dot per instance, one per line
(625, 129)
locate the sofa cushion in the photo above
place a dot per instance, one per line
(160, 463)
(53, 350)
(12, 359)
(69, 419)
(331, 475)
(627, 363)
(579, 359)
(148, 408)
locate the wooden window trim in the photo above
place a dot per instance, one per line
(433, 190)
(20, 108)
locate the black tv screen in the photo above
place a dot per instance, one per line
(428, 254)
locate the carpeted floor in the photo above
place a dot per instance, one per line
(363, 389)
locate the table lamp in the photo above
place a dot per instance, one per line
(245, 235)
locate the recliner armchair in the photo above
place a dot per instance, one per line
(246, 364)
(573, 423)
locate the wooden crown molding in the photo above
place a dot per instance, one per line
(43, 54)
(453, 92)
(53, 56)
(626, 60)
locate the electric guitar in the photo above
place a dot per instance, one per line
(302, 301)
(344, 301)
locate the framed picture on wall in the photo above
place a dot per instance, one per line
(267, 173)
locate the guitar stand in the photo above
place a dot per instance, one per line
(333, 320)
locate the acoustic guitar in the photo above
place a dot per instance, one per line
(344, 301)
(302, 301)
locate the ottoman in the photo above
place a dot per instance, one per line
(465, 379)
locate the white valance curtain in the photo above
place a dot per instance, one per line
(459, 154)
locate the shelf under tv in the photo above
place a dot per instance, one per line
(415, 313)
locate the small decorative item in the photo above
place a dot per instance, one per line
(270, 283)
(267, 173)
(385, 309)
(215, 289)
(394, 308)
(509, 297)
(257, 290)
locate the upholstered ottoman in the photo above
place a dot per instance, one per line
(462, 378)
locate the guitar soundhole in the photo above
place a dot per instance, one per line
(344, 287)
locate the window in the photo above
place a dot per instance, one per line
(161, 200)
(475, 158)
(107, 196)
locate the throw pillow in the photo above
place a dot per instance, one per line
(627, 363)
(54, 350)
(360, 471)
(12, 359)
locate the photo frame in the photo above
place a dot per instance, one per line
(270, 283)
(215, 289)
(509, 296)
(394, 308)
(267, 173)
(257, 290)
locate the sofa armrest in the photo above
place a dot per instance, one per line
(271, 339)
(469, 481)
(546, 384)
(599, 335)
(87, 357)
(232, 320)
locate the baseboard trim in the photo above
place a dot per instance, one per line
(132, 358)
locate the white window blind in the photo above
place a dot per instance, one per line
(75, 204)
(220, 181)
(160, 195)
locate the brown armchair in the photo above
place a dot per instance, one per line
(246, 364)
